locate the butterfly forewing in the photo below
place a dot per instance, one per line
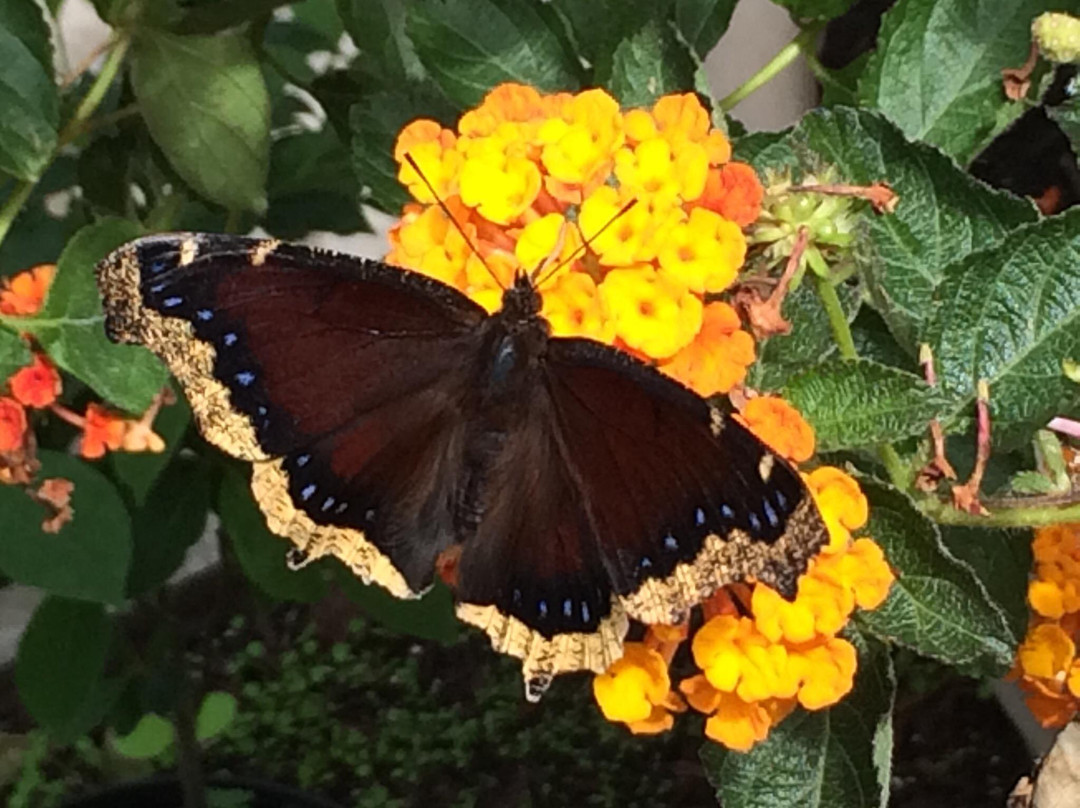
(352, 372)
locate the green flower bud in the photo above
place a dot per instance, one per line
(1058, 36)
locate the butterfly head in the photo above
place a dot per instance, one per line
(521, 302)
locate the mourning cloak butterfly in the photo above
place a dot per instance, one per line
(390, 418)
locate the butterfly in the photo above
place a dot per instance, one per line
(390, 420)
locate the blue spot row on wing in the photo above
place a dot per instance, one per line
(573, 611)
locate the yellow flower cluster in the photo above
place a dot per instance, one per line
(639, 215)
(1046, 661)
(759, 654)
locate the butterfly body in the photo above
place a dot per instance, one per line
(391, 419)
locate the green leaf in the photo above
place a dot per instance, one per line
(1002, 560)
(942, 216)
(962, 108)
(839, 87)
(1010, 315)
(378, 29)
(839, 758)
(88, 559)
(60, 666)
(261, 553)
(152, 736)
(206, 105)
(312, 186)
(430, 617)
(1067, 114)
(937, 607)
(217, 711)
(874, 341)
(28, 96)
(469, 46)
(701, 23)
(70, 326)
(171, 519)
(14, 353)
(376, 121)
(208, 16)
(597, 27)
(649, 64)
(138, 472)
(815, 9)
(24, 19)
(861, 403)
(811, 339)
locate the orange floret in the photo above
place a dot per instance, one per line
(102, 430)
(735, 192)
(24, 294)
(13, 424)
(718, 358)
(780, 426)
(36, 385)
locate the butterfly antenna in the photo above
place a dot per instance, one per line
(457, 225)
(585, 244)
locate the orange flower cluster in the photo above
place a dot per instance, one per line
(1046, 662)
(760, 655)
(38, 386)
(630, 220)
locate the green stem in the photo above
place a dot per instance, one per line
(899, 473)
(788, 54)
(1038, 516)
(838, 321)
(96, 94)
(21, 192)
(13, 204)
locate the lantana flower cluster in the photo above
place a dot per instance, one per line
(1047, 664)
(634, 223)
(530, 177)
(37, 387)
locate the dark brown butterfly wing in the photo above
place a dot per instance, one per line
(343, 378)
(684, 499)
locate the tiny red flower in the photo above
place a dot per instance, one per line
(12, 424)
(36, 385)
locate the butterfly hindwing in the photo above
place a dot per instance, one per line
(339, 374)
(684, 499)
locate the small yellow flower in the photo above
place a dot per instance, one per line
(650, 314)
(652, 171)
(705, 252)
(1046, 652)
(573, 308)
(842, 504)
(500, 186)
(579, 144)
(636, 691)
(432, 147)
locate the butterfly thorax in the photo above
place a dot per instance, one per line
(516, 340)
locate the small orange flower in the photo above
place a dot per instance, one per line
(717, 360)
(780, 426)
(36, 385)
(13, 424)
(24, 294)
(102, 430)
(735, 192)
